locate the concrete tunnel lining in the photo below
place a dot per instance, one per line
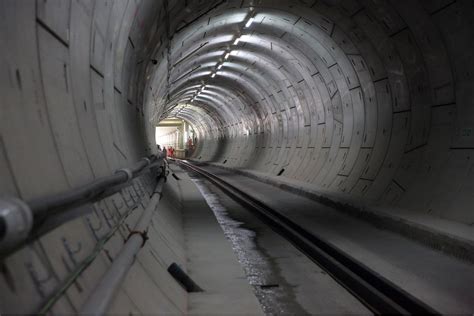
(355, 44)
(348, 165)
(369, 101)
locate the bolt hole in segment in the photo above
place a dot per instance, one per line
(284, 280)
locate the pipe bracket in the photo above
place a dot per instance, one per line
(127, 171)
(143, 234)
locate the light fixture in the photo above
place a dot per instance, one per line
(213, 75)
(237, 40)
(249, 22)
(220, 66)
(227, 55)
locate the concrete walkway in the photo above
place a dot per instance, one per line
(210, 260)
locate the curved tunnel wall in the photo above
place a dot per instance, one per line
(371, 100)
(70, 106)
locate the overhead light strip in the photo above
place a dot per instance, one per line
(236, 41)
(249, 22)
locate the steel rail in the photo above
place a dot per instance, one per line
(379, 294)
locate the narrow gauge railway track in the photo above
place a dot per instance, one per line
(380, 295)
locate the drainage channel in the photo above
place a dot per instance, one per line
(274, 293)
(284, 280)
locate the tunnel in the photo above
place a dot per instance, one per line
(366, 106)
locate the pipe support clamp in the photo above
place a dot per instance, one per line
(127, 171)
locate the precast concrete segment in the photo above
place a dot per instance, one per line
(358, 77)
(67, 118)
(354, 168)
(377, 100)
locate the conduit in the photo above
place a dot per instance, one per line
(104, 293)
(21, 221)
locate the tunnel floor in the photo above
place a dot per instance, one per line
(443, 282)
(284, 280)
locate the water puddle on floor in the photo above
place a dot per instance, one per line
(271, 289)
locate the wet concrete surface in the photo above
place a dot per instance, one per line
(284, 280)
(209, 258)
(445, 283)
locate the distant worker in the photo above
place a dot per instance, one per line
(164, 152)
(156, 169)
(158, 147)
(190, 142)
(171, 152)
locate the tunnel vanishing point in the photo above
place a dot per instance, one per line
(365, 105)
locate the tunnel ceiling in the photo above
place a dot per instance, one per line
(368, 100)
(353, 97)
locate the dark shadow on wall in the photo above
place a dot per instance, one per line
(223, 146)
